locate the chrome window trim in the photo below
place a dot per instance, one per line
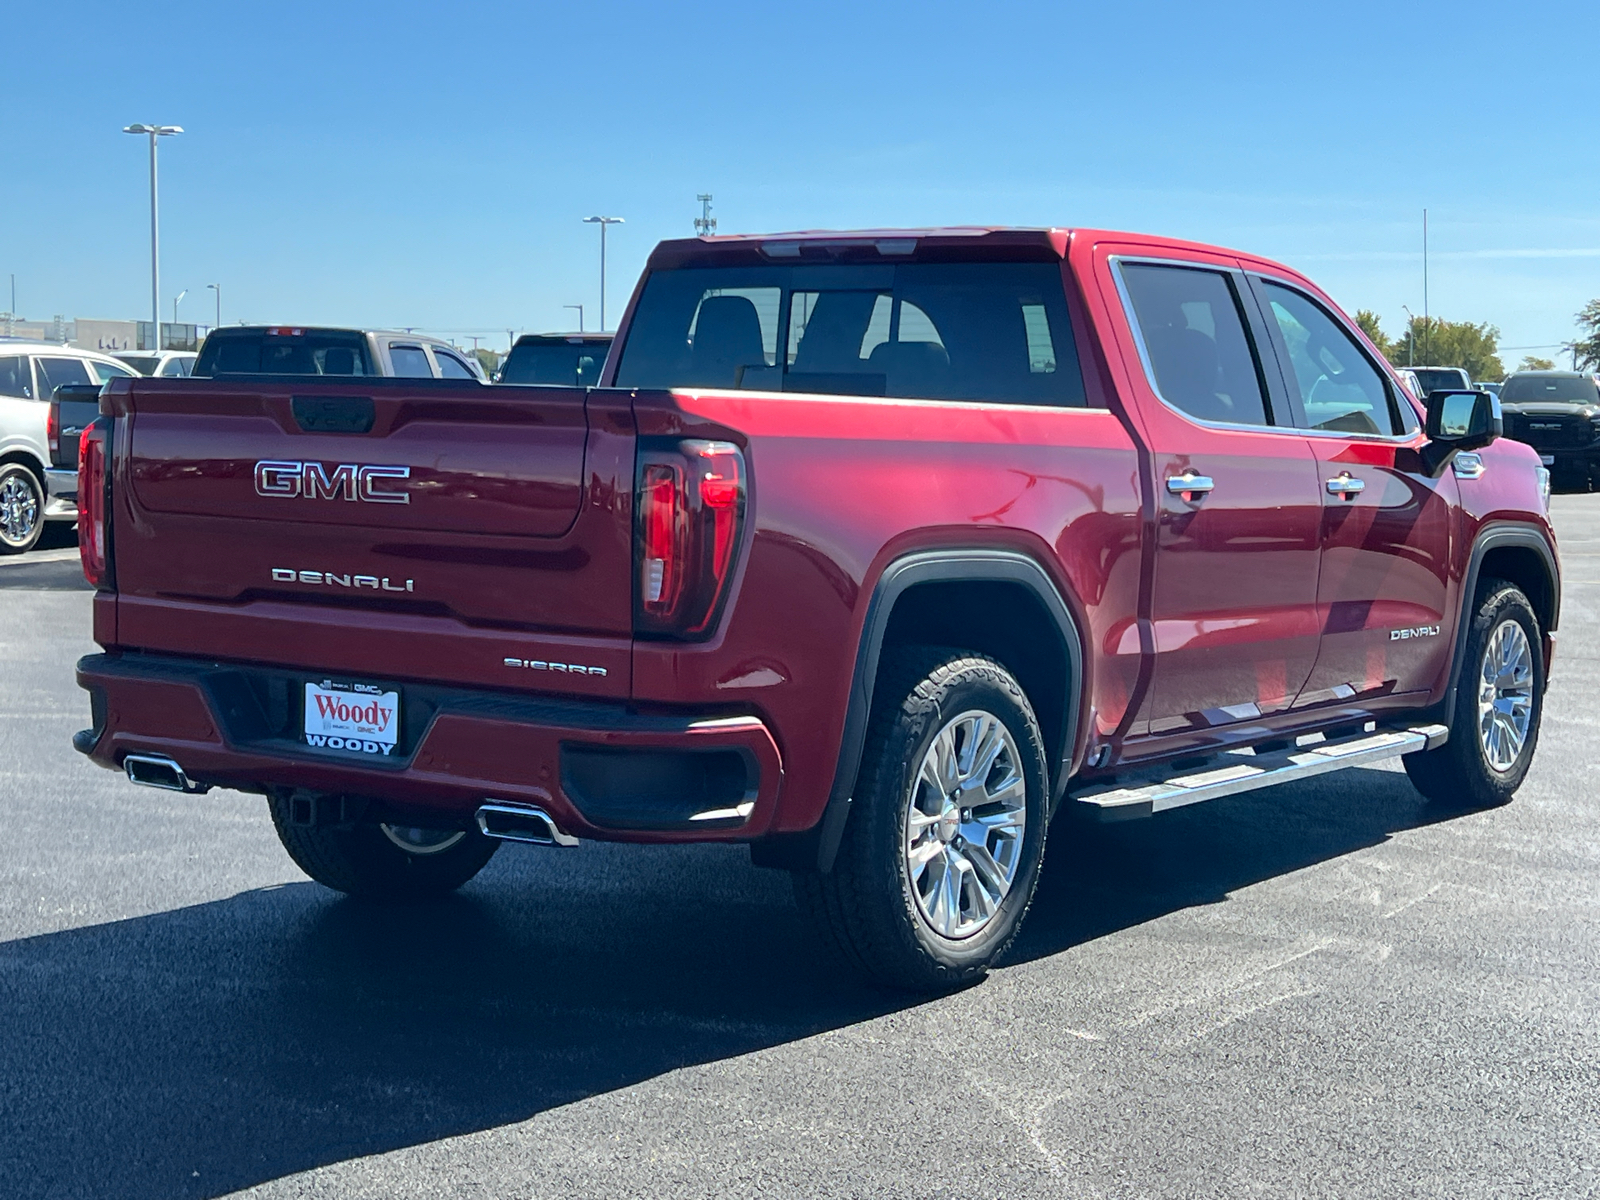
(1132, 316)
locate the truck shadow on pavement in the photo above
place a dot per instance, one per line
(202, 1050)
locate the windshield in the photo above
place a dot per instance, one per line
(555, 361)
(1434, 378)
(302, 352)
(995, 332)
(1562, 389)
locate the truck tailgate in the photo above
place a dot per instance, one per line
(398, 528)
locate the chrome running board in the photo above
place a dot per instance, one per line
(1145, 793)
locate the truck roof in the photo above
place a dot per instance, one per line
(951, 243)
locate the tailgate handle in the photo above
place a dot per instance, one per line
(333, 414)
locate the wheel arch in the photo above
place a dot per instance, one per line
(922, 597)
(1519, 554)
(26, 458)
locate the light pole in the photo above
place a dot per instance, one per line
(175, 300)
(154, 132)
(579, 307)
(1411, 342)
(217, 288)
(602, 222)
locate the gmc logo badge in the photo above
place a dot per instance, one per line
(349, 481)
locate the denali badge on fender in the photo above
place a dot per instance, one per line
(349, 481)
(1400, 635)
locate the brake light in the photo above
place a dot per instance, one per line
(52, 429)
(691, 501)
(93, 543)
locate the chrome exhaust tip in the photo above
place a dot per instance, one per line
(521, 823)
(159, 771)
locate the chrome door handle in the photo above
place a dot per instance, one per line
(1183, 485)
(1346, 485)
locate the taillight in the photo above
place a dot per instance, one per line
(93, 544)
(691, 500)
(52, 429)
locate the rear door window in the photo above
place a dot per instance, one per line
(53, 372)
(995, 332)
(16, 377)
(451, 367)
(409, 362)
(108, 371)
(1192, 328)
(1338, 388)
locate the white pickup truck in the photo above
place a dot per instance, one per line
(32, 490)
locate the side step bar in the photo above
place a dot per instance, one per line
(1148, 792)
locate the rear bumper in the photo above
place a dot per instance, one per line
(61, 494)
(599, 769)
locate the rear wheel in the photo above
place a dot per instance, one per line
(942, 848)
(21, 508)
(1499, 703)
(383, 861)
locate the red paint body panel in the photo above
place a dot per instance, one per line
(1201, 623)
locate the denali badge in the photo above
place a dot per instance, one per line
(539, 664)
(338, 579)
(1400, 635)
(349, 481)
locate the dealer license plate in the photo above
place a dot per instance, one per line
(352, 716)
(1548, 460)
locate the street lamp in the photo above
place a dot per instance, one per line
(175, 300)
(1411, 342)
(579, 307)
(217, 288)
(602, 222)
(154, 132)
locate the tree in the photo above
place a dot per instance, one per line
(489, 359)
(1368, 320)
(1588, 348)
(1441, 343)
(1530, 363)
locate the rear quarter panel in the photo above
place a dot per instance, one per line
(842, 487)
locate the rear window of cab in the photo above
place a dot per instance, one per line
(993, 332)
(305, 352)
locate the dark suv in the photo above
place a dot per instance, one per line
(1558, 414)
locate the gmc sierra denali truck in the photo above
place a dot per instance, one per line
(875, 551)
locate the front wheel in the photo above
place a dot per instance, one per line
(1499, 704)
(21, 508)
(946, 832)
(390, 862)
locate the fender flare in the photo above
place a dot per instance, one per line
(1495, 536)
(941, 566)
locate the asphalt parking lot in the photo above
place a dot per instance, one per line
(1325, 989)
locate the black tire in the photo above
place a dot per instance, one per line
(1459, 774)
(865, 907)
(363, 860)
(21, 494)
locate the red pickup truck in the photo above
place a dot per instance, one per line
(874, 551)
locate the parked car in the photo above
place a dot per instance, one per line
(1434, 378)
(32, 490)
(1412, 383)
(1558, 414)
(566, 358)
(1492, 388)
(306, 350)
(872, 551)
(168, 364)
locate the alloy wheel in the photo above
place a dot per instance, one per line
(965, 819)
(1505, 695)
(19, 507)
(422, 841)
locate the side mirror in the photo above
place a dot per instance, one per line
(1458, 421)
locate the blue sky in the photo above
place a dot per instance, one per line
(429, 165)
